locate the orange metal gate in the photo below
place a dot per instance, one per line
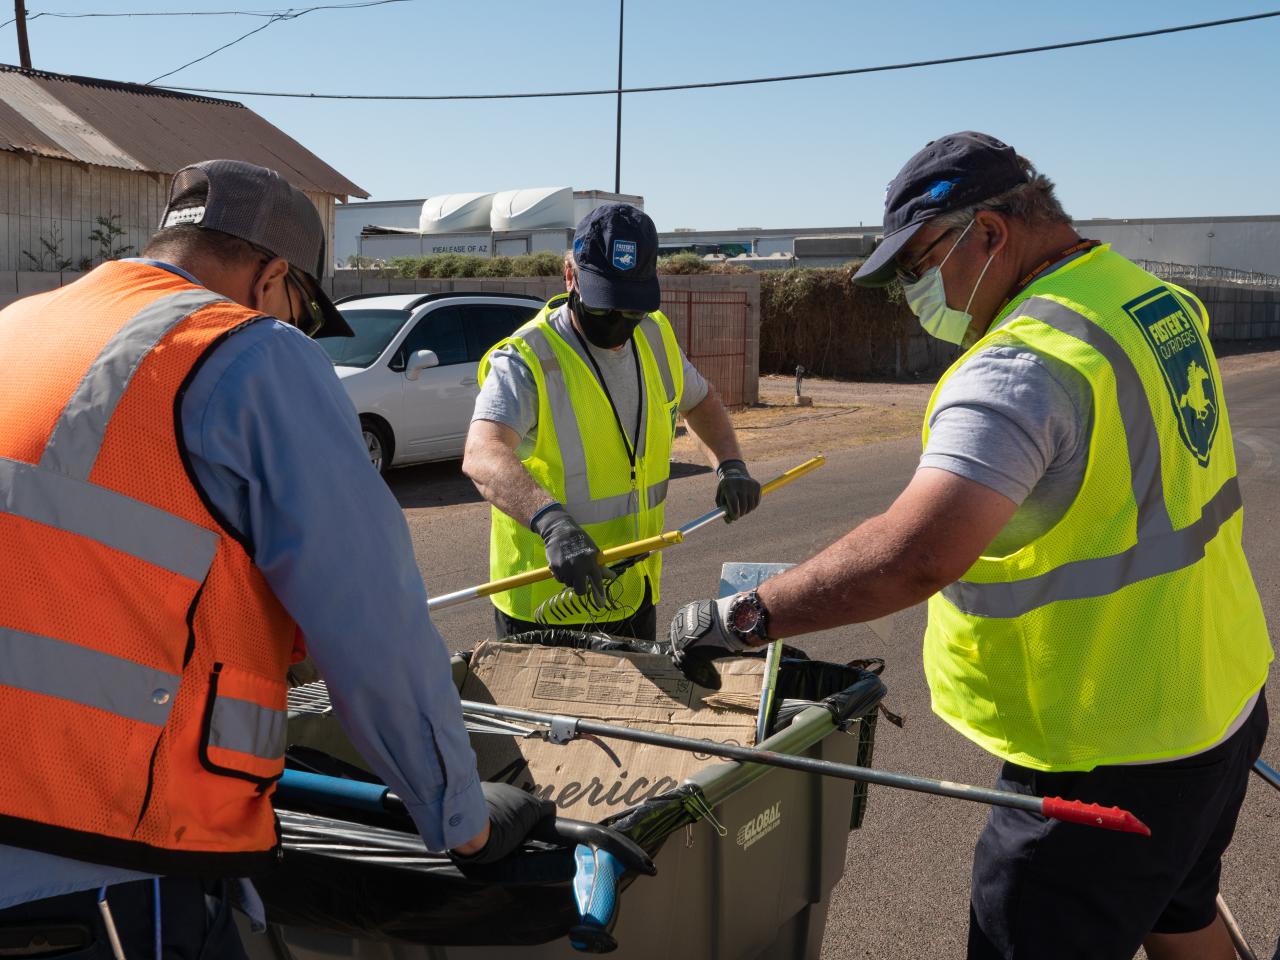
(711, 328)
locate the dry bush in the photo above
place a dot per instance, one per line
(817, 318)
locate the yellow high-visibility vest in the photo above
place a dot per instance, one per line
(1131, 630)
(580, 459)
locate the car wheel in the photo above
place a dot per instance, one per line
(379, 445)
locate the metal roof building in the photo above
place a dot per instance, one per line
(73, 149)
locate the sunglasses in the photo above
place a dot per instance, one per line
(314, 319)
(636, 315)
(911, 274)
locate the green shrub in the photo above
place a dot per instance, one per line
(687, 262)
(543, 264)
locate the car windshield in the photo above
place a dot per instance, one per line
(374, 330)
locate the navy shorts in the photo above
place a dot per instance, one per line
(1046, 889)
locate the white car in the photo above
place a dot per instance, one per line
(410, 369)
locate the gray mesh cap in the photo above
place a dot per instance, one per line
(259, 206)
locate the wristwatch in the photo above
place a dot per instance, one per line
(749, 619)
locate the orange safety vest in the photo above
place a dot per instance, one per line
(142, 654)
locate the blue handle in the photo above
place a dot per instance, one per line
(595, 889)
(347, 793)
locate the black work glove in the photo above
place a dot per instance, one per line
(738, 494)
(698, 636)
(512, 814)
(571, 553)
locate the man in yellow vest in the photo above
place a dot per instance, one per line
(572, 431)
(1075, 524)
(178, 469)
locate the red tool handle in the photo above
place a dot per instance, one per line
(1093, 815)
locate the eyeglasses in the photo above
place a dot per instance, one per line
(910, 275)
(634, 315)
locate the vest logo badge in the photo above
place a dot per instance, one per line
(764, 823)
(1178, 344)
(624, 254)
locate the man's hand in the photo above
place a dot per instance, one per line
(698, 636)
(572, 555)
(737, 493)
(512, 814)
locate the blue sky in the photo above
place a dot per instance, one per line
(1181, 125)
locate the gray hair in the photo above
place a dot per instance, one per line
(1034, 203)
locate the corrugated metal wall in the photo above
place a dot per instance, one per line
(37, 194)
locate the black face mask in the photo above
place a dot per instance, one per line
(608, 331)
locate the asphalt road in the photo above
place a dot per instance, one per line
(905, 889)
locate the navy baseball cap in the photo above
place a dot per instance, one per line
(949, 173)
(616, 250)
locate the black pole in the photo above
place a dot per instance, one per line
(617, 166)
(24, 51)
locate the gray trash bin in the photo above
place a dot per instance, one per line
(746, 855)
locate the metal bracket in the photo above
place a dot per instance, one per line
(563, 730)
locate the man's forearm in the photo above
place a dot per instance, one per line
(928, 538)
(710, 424)
(503, 480)
(869, 573)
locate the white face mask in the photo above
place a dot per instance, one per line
(927, 298)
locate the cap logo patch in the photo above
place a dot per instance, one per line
(624, 254)
(186, 215)
(941, 189)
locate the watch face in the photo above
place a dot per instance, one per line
(745, 616)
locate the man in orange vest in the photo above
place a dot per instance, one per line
(184, 493)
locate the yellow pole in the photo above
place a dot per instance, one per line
(614, 554)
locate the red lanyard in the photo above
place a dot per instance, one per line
(1077, 247)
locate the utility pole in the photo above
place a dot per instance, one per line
(617, 167)
(24, 51)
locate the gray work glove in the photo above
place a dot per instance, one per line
(698, 636)
(737, 493)
(512, 814)
(572, 555)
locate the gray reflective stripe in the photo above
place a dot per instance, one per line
(602, 510)
(247, 728)
(577, 490)
(1149, 557)
(116, 521)
(573, 455)
(1159, 549)
(649, 327)
(1135, 410)
(77, 436)
(91, 678)
(657, 493)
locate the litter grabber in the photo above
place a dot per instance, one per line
(633, 552)
(567, 603)
(563, 729)
(1267, 772)
(601, 856)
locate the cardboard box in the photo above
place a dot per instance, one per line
(592, 779)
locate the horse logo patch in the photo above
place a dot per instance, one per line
(624, 254)
(1177, 341)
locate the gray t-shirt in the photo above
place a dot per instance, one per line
(1019, 422)
(510, 393)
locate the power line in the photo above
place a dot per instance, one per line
(611, 91)
(244, 36)
(268, 13)
(276, 18)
